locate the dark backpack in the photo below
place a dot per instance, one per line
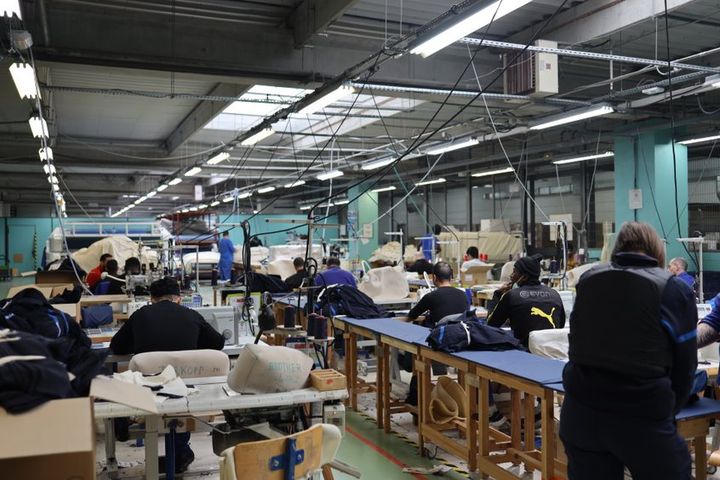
(29, 311)
(348, 300)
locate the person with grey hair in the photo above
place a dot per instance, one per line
(678, 267)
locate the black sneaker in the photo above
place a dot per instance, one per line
(182, 462)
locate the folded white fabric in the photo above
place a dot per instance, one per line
(167, 383)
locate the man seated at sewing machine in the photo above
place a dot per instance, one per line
(530, 306)
(165, 325)
(443, 301)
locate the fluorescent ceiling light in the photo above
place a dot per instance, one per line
(228, 199)
(244, 195)
(39, 127)
(151, 194)
(55, 187)
(331, 97)
(202, 206)
(52, 179)
(430, 182)
(193, 209)
(176, 197)
(295, 184)
(374, 165)
(49, 168)
(258, 137)
(162, 187)
(185, 210)
(24, 77)
(193, 171)
(305, 207)
(449, 147)
(583, 158)
(341, 202)
(10, 7)
(175, 181)
(465, 27)
(215, 203)
(46, 154)
(266, 190)
(329, 175)
(693, 141)
(220, 157)
(139, 201)
(573, 116)
(384, 189)
(493, 172)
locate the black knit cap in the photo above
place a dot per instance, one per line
(164, 287)
(528, 266)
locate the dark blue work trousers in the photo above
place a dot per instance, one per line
(599, 445)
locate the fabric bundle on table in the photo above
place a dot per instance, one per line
(33, 328)
(462, 332)
(164, 384)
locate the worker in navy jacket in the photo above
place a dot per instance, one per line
(632, 360)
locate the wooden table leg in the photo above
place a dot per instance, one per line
(700, 447)
(529, 434)
(379, 385)
(387, 387)
(348, 367)
(424, 387)
(483, 438)
(548, 434)
(353, 369)
(471, 399)
(515, 416)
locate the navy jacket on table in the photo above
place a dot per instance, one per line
(165, 326)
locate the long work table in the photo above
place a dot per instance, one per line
(210, 397)
(529, 378)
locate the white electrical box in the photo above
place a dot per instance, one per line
(335, 415)
(546, 71)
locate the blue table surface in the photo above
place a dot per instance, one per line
(527, 366)
(702, 408)
(393, 328)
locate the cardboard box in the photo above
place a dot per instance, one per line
(56, 441)
(47, 289)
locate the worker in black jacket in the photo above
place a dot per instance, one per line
(530, 306)
(165, 325)
(295, 280)
(443, 301)
(632, 361)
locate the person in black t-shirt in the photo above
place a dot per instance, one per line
(165, 325)
(443, 301)
(295, 280)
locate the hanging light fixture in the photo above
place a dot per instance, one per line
(39, 127)
(10, 8)
(162, 187)
(330, 97)
(193, 171)
(23, 75)
(258, 137)
(296, 183)
(572, 116)
(220, 157)
(175, 181)
(266, 190)
(46, 154)
(430, 182)
(329, 175)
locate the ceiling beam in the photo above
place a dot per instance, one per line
(313, 16)
(595, 19)
(204, 112)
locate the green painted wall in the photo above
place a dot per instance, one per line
(645, 161)
(362, 211)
